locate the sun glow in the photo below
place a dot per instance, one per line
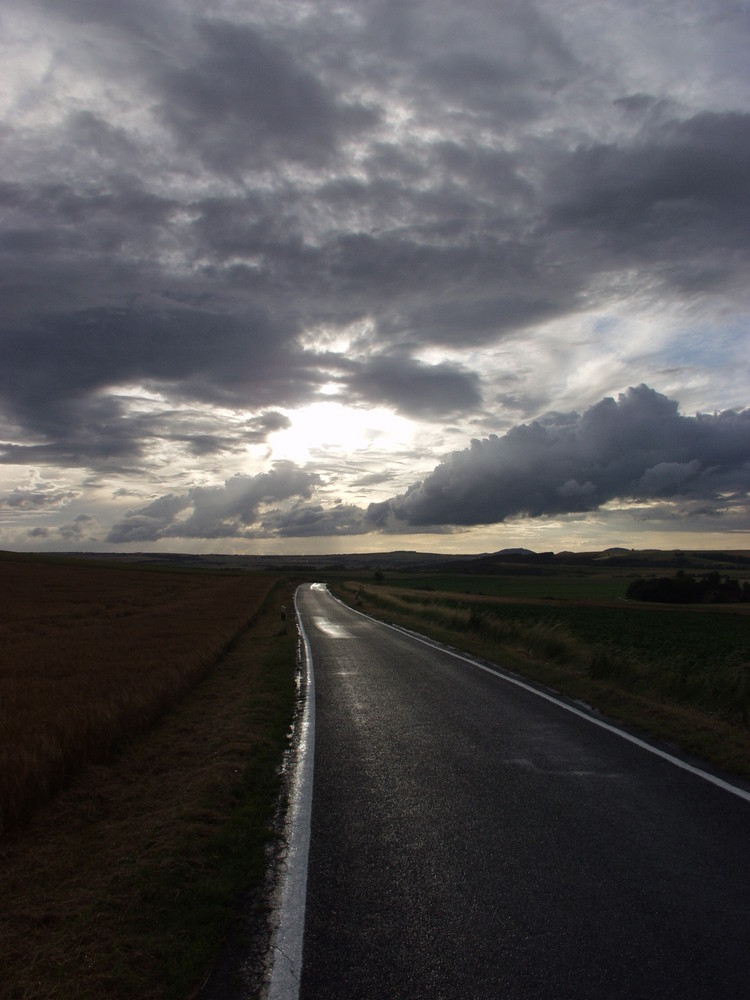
(334, 429)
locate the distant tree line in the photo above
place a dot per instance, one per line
(710, 588)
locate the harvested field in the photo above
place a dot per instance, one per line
(127, 883)
(91, 655)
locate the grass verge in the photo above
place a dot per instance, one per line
(679, 676)
(127, 883)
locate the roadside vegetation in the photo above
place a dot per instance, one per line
(679, 673)
(149, 717)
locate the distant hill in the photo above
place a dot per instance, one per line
(523, 561)
(505, 561)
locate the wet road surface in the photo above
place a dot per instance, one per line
(471, 840)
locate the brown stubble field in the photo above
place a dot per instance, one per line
(90, 656)
(128, 881)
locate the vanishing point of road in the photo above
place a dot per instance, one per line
(471, 839)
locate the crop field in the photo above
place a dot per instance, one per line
(681, 672)
(91, 655)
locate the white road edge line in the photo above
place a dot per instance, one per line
(287, 947)
(496, 672)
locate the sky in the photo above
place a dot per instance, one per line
(365, 275)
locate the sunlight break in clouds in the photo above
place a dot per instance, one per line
(636, 455)
(337, 430)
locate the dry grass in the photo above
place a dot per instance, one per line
(90, 655)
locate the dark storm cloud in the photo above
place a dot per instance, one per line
(226, 511)
(56, 372)
(465, 291)
(241, 98)
(101, 434)
(204, 434)
(197, 201)
(638, 447)
(68, 248)
(415, 389)
(51, 223)
(680, 196)
(75, 433)
(120, 202)
(481, 251)
(446, 242)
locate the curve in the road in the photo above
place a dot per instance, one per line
(676, 761)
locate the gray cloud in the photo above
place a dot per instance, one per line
(81, 527)
(638, 447)
(59, 373)
(209, 215)
(226, 511)
(413, 388)
(240, 98)
(687, 181)
(39, 497)
(314, 520)
(499, 76)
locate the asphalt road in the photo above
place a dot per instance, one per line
(471, 840)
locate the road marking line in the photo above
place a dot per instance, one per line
(287, 947)
(501, 675)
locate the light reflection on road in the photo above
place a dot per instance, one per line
(332, 629)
